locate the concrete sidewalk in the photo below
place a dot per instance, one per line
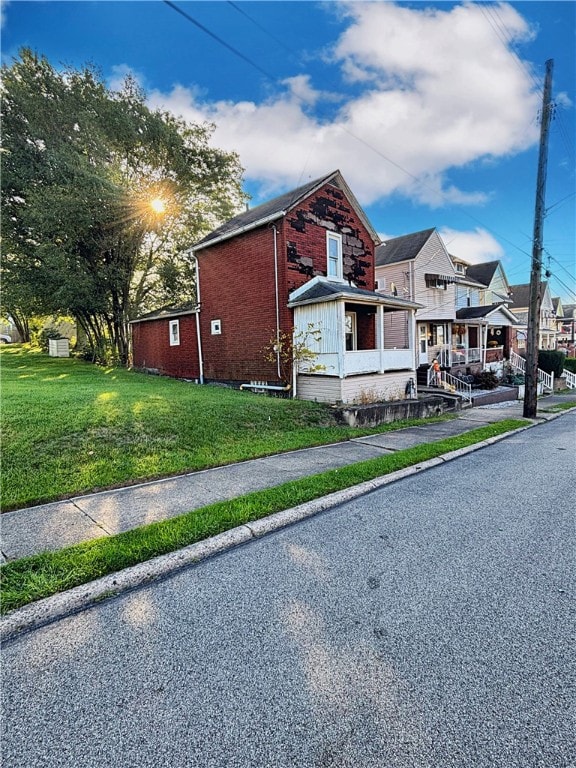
(52, 526)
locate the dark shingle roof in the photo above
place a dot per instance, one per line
(472, 313)
(159, 314)
(521, 295)
(325, 290)
(275, 208)
(402, 248)
(482, 273)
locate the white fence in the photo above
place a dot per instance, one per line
(570, 379)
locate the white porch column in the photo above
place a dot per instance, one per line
(341, 336)
(413, 340)
(380, 335)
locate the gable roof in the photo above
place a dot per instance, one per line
(278, 207)
(403, 248)
(521, 294)
(483, 273)
(472, 313)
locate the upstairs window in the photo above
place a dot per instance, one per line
(174, 333)
(334, 255)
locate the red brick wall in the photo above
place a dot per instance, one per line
(237, 287)
(305, 240)
(151, 345)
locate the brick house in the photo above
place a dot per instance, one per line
(304, 259)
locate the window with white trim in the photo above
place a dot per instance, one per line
(215, 327)
(334, 254)
(174, 333)
(350, 332)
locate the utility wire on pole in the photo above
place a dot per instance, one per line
(535, 301)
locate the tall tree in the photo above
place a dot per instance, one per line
(101, 195)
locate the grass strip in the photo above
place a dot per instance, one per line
(558, 407)
(39, 576)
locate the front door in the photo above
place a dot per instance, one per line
(422, 344)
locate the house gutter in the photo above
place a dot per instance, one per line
(240, 231)
(199, 306)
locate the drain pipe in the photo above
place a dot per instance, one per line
(198, 306)
(287, 388)
(273, 226)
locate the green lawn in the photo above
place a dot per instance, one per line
(70, 427)
(32, 578)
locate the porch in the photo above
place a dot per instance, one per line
(362, 342)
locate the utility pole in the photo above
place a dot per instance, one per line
(531, 379)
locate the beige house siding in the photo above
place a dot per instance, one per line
(355, 389)
(396, 330)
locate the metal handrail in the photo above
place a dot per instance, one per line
(451, 384)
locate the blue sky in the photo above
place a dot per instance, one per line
(430, 110)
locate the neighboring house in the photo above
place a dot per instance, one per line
(303, 260)
(492, 276)
(567, 323)
(464, 321)
(482, 294)
(418, 267)
(519, 305)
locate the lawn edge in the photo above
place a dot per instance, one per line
(49, 609)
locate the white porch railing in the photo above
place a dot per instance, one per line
(570, 378)
(451, 384)
(465, 356)
(519, 364)
(365, 361)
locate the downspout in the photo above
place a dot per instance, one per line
(277, 301)
(198, 306)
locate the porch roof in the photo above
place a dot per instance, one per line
(320, 290)
(167, 312)
(484, 313)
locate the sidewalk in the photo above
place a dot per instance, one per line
(63, 523)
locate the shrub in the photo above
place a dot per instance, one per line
(551, 361)
(486, 380)
(45, 335)
(570, 364)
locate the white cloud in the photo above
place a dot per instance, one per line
(474, 246)
(435, 90)
(3, 6)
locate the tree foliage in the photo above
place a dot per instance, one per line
(81, 165)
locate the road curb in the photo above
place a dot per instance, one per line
(50, 609)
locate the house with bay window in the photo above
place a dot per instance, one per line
(302, 261)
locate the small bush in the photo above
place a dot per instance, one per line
(570, 364)
(486, 380)
(45, 335)
(551, 361)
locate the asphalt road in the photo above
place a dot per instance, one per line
(430, 625)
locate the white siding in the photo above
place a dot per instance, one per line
(434, 259)
(499, 318)
(323, 316)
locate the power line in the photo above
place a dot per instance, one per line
(219, 39)
(263, 29)
(353, 135)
